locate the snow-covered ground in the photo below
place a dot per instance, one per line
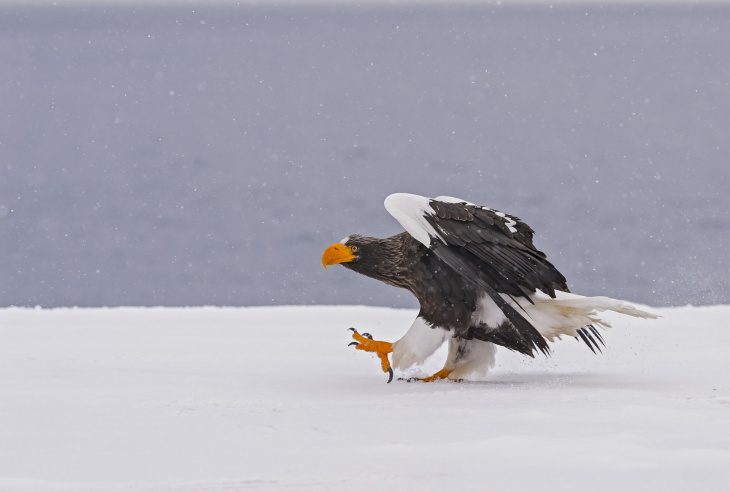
(272, 398)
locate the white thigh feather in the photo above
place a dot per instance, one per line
(419, 342)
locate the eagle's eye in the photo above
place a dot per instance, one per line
(353, 248)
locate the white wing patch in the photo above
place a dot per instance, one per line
(507, 221)
(411, 211)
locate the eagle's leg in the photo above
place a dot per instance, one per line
(458, 352)
(381, 349)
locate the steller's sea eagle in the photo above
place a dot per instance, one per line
(480, 282)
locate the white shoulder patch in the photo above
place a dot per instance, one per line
(411, 211)
(451, 199)
(508, 222)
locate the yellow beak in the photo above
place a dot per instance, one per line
(337, 253)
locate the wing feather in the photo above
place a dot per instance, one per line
(522, 333)
(492, 250)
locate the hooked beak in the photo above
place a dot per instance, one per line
(337, 253)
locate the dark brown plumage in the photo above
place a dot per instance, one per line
(447, 295)
(478, 277)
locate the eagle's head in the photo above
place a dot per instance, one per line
(370, 256)
(353, 249)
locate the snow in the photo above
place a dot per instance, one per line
(272, 398)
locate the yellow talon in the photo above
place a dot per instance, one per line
(442, 374)
(381, 349)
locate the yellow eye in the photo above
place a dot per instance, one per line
(353, 249)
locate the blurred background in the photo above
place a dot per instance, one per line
(206, 154)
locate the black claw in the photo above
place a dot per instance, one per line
(367, 335)
(353, 343)
(353, 330)
(390, 374)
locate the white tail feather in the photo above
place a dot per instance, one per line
(567, 313)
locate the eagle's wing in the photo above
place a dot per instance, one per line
(490, 249)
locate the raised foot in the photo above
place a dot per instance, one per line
(381, 349)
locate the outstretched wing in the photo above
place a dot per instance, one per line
(490, 249)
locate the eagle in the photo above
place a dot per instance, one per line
(480, 282)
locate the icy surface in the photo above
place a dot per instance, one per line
(199, 155)
(273, 399)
